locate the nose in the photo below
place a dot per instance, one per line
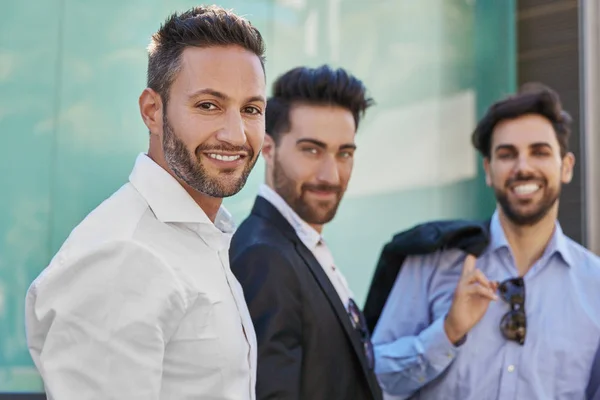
(233, 131)
(523, 164)
(328, 171)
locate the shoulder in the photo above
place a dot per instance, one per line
(112, 268)
(110, 256)
(261, 254)
(258, 234)
(583, 259)
(441, 261)
(265, 256)
(116, 220)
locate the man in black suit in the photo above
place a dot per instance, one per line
(312, 338)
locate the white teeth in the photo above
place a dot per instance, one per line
(526, 189)
(222, 157)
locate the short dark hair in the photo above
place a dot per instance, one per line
(315, 86)
(532, 98)
(202, 26)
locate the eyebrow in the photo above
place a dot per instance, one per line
(512, 147)
(541, 144)
(505, 147)
(224, 97)
(322, 145)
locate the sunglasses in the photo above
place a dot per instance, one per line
(514, 323)
(359, 323)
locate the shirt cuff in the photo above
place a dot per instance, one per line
(438, 350)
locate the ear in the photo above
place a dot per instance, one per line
(486, 167)
(566, 170)
(151, 109)
(268, 150)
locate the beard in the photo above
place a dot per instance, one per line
(316, 212)
(513, 209)
(189, 168)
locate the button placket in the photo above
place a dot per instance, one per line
(509, 375)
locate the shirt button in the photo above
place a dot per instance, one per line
(511, 368)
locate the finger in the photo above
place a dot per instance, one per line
(469, 265)
(479, 290)
(494, 285)
(479, 277)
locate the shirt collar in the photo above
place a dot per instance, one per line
(558, 242)
(168, 200)
(307, 234)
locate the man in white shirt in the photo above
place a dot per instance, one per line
(312, 339)
(140, 302)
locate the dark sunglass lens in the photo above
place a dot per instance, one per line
(513, 291)
(514, 326)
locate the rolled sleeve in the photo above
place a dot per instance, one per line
(437, 349)
(405, 365)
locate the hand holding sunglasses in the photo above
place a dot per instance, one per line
(471, 300)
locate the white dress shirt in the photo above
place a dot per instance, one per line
(140, 302)
(312, 240)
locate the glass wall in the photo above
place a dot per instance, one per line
(71, 72)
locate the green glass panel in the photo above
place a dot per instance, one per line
(71, 73)
(29, 65)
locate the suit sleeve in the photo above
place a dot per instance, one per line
(272, 292)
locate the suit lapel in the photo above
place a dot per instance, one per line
(334, 300)
(264, 209)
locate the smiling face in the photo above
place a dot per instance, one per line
(526, 169)
(311, 165)
(212, 129)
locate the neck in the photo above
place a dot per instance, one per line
(528, 242)
(318, 228)
(210, 205)
(269, 183)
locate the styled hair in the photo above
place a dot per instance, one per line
(314, 86)
(532, 98)
(202, 26)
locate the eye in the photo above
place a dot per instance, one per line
(252, 110)
(504, 156)
(346, 154)
(206, 106)
(310, 150)
(541, 153)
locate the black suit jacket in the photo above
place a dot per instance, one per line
(307, 347)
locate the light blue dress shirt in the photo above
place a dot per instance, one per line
(560, 357)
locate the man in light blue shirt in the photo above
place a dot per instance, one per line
(523, 320)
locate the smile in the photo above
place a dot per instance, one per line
(223, 157)
(526, 189)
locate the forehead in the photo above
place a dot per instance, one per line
(231, 70)
(326, 123)
(524, 131)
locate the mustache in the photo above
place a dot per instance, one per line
(524, 178)
(322, 188)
